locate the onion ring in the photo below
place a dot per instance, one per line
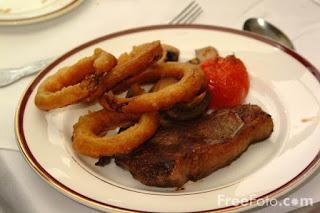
(163, 83)
(191, 79)
(148, 76)
(128, 65)
(86, 139)
(184, 111)
(72, 84)
(169, 53)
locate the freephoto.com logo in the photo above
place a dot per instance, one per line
(224, 200)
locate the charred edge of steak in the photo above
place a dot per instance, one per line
(193, 150)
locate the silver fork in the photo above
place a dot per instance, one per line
(187, 16)
(11, 75)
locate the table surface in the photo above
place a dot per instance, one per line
(21, 45)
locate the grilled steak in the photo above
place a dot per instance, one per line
(193, 150)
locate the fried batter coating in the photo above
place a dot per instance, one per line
(131, 64)
(88, 141)
(72, 84)
(191, 79)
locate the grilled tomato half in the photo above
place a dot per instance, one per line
(228, 81)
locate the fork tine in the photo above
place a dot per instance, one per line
(183, 17)
(193, 16)
(182, 13)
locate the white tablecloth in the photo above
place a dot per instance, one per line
(21, 190)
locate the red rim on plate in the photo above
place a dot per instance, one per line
(22, 143)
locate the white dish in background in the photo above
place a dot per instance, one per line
(16, 12)
(281, 83)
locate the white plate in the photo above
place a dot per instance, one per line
(15, 12)
(282, 83)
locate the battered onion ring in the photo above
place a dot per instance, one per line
(191, 80)
(128, 65)
(86, 139)
(148, 76)
(73, 83)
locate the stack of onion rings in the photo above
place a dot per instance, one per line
(96, 78)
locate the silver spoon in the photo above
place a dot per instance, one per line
(266, 29)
